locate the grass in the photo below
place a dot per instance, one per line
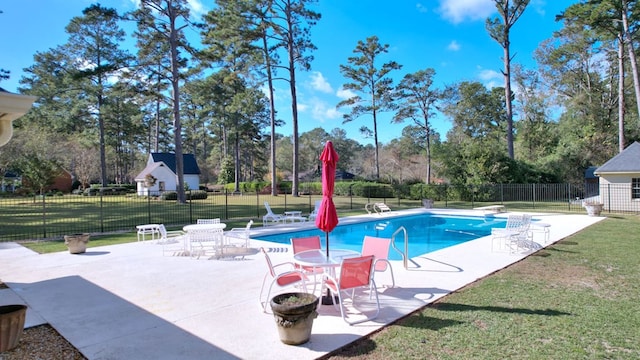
(577, 299)
(52, 217)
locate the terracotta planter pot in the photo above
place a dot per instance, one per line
(11, 325)
(294, 320)
(77, 243)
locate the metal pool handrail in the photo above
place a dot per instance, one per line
(406, 245)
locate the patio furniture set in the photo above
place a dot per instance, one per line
(347, 276)
(518, 234)
(291, 216)
(205, 238)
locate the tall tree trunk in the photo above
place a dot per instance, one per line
(632, 55)
(175, 85)
(621, 92)
(236, 173)
(507, 94)
(428, 141)
(156, 139)
(375, 134)
(103, 157)
(272, 117)
(294, 118)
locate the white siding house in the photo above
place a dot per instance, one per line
(161, 169)
(620, 180)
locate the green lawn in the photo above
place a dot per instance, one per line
(54, 216)
(578, 299)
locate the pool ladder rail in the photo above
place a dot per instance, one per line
(405, 254)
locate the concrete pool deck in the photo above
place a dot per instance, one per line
(129, 301)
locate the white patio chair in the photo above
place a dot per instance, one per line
(208, 221)
(379, 208)
(514, 236)
(270, 217)
(241, 234)
(172, 242)
(314, 213)
(205, 242)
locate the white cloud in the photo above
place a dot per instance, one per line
(453, 46)
(491, 78)
(421, 8)
(345, 94)
(457, 11)
(322, 111)
(196, 8)
(538, 6)
(485, 74)
(318, 82)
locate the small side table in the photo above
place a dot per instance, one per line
(293, 216)
(143, 230)
(540, 227)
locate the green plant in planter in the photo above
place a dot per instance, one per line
(294, 300)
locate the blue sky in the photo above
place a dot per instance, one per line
(446, 35)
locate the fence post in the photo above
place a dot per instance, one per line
(446, 195)
(44, 217)
(226, 203)
(473, 195)
(609, 197)
(257, 204)
(149, 207)
(533, 195)
(101, 211)
(190, 207)
(350, 197)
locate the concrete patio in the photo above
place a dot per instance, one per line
(130, 302)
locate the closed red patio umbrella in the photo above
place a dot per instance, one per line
(327, 218)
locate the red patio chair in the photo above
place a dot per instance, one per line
(378, 247)
(280, 278)
(304, 244)
(355, 274)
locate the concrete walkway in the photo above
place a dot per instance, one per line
(130, 302)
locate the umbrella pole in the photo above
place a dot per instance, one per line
(327, 299)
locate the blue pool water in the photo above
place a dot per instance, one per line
(426, 232)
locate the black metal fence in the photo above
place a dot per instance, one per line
(46, 217)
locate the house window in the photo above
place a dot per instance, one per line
(161, 186)
(635, 188)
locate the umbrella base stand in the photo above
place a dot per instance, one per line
(327, 299)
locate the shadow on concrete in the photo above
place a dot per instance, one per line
(104, 326)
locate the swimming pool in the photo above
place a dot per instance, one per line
(426, 232)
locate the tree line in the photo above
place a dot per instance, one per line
(110, 108)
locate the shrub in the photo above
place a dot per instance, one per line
(364, 189)
(189, 195)
(431, 191)
(169, 195)
(196, 195)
